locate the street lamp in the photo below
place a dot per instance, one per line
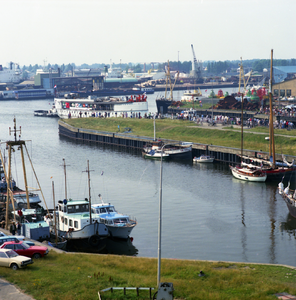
(159, 221)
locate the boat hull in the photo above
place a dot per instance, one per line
(203, 160)
(242, 176)
(290, 202)
(94, 229)
(163, 105)
(120, 232)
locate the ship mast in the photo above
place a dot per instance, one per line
(271, 132)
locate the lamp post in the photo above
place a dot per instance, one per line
(159, 221)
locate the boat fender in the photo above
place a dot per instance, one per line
(94, 240)
(281, 188)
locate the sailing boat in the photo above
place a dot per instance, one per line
(245, 172)
(274, 170)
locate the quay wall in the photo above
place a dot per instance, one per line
(127, 140)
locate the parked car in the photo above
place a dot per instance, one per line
(10, 259)
(22, 248)
(10, 238)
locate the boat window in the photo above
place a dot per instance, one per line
(111, 209)
(103, 210)
(76, 224)
(60, 208)
(66, 221)
(71, 209)
(70, 222)
(65, 208)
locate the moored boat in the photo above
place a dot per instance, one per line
(190, 96)
(289, 196)
(247, 174)
(156, 154)
(203, 159)
(183, 150)
(119, 225)
(71, 106)
(77, 225)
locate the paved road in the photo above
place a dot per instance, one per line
(10, 292)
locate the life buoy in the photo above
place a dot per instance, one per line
(94, 240)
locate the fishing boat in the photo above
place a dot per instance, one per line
(72, 106)
(248, 174)
(289, 196)
(203, 159)
(119, 225)
(75, 222)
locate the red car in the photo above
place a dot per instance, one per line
(23, 249)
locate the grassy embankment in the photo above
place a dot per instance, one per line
(189, 131)
(81, 276)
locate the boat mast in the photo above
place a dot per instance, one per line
(55, 217)
(89, 193)
(271, 132)
(65, 173)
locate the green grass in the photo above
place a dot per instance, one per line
(81, 276)
(189, 131)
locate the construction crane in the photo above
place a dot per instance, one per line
(196, 72)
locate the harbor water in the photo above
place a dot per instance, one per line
(206, 213)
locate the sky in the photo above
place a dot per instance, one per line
(137, 31)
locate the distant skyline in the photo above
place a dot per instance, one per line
(138, 31)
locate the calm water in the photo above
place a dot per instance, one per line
(207, 214)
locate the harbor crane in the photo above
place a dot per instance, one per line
(196, 71)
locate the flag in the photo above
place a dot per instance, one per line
(206, 90)
(55, 87)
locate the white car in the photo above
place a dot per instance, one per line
(10, 259)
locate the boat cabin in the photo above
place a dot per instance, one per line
(106, 214)
(73, 214)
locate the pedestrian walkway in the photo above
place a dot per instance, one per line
(9, 291)
(285, 296)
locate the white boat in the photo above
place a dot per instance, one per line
(76, 224)
(189, 96)
(183, 150)
(289, 196)
(73, 107)
(156, 154)
(119, 225)
(247, 174)
(203, 159)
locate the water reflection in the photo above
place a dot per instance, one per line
(289, 226)
(107, 246)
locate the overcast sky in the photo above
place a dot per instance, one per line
(100, 31)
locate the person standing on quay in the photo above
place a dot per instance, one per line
(12, 228)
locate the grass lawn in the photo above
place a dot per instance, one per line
(182, 130)
(81, 276)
